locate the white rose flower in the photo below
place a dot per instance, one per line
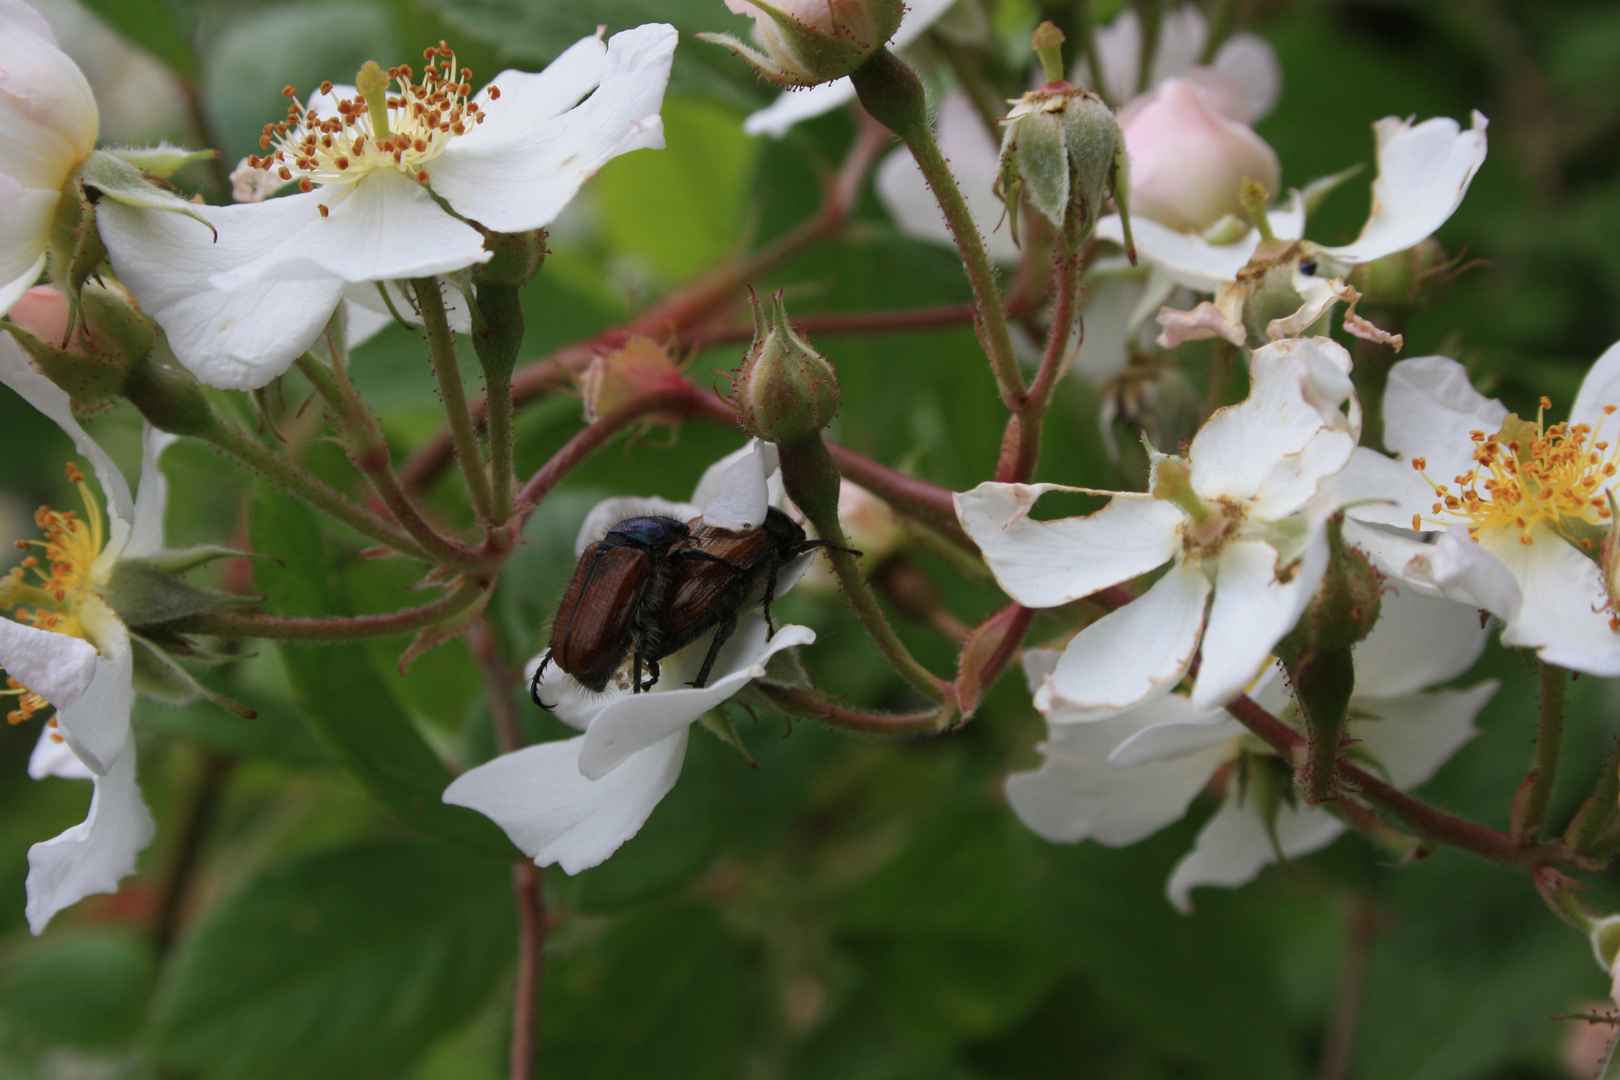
(48, 126)
(575, 801)
(240, 308)
(1238, 520)
(1522, 507)
(64, 648)
(1121, 778)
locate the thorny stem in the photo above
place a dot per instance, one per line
(804, 703)
(368, 450)
(1425, 820)
(1021, 445)
(1530, 803)
(325, 630)
(527, 882)
(809, 472)
(261, 459)
(442, 351)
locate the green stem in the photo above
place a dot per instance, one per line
(1151, 15)
(894, 96)
(295, 480)
(1086, 28)
(1598, 816)
(321, 631)
(803, 703)
(812, 481)
(442, 351)
(1221, 23)
(1530, 804)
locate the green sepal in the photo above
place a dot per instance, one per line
(718, 721)
(159, 676)
(1268, 781)
(184, 559)
(144, 594)
(162, 160)
(122, 182)
(86, 254)
(88, 380)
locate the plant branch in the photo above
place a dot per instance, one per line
(804, 703)
(1530, 802)
(442, 352)
(324, 630)
(212, 774)
(1021, 444)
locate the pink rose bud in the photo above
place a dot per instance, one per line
(805, 42)
(1188, 158)
(43, 312)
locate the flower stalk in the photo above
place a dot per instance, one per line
(1534, 794)
(442, 352)
(326, 630)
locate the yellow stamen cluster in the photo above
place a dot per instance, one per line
(1526, 474)
(422, 118)
(46, 589)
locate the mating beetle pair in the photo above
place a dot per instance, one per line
(654, 585)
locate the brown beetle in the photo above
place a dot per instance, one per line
(615, 604)
(710, 594)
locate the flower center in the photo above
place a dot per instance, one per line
(48, 588)
(1530, 473)
(376, 129)
(1208, 524)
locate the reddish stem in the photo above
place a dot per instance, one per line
(804, 703)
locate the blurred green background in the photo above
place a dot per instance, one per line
(853, 909)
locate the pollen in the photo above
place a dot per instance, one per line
(1532, 473)
(423, 117)
(47, 590)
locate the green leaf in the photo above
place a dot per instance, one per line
(659, 995)
(349, 709)
(344, 964)
(276, 734)
(86, 991)
(161, 27)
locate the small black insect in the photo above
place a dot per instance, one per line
(710, 594)
(1308, 267)
(615, 603)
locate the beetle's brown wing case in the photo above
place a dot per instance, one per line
(592, 632)
(704, 593)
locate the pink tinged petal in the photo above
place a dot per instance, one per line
(1046, 563)
(95, 723)
(384, 227)
(1472, 574)
(1373, 487)
(1250, 59)
(974, 158)
(57, 667)
(555, 815)
(94, 855)
(52, 400)
(741, 494)
(48, 118)
(1234, 847)
(1202, 322)
(233, 340)
(1563, 616)
(1600, 388)
(152, 498)
(1274, 449)
(1429, 409)
(511, 182)
(52, 756)
(635, 721)
(1417, 642)
(1423, 174)
(1133, 654)
(1077, 795)
(1252, 611)
(529, 98)
(1412, 735)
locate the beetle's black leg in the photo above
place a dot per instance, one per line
(720, 635)
(534, 683)
(770, 594)
(653, 672)
(635, 673)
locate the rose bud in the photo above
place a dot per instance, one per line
(785, 392)
(806, 42)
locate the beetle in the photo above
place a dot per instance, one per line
(709, 594)
(615, 603)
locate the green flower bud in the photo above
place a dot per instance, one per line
(785, 391)
(517, 258)
(90, 358)
(805, 42)
(1346, 605)
(170, 399)
(1063, 148)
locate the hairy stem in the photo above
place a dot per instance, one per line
(1021, 445)
(804, 703)
(323, 630)
(442, 352)
(1530, 804)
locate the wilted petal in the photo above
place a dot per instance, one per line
(1430, 407)
(1417, 642)
(1202, 322)
(236, 340)
(1077, 795)
(1046, 563)
(514, 181)
(1562, 616)
(93, 856)
(1252, 611)
(555, 815)
(1412, 735)
(1423, 174)
(634, 721)
(1234, 847)
(1133, 654)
